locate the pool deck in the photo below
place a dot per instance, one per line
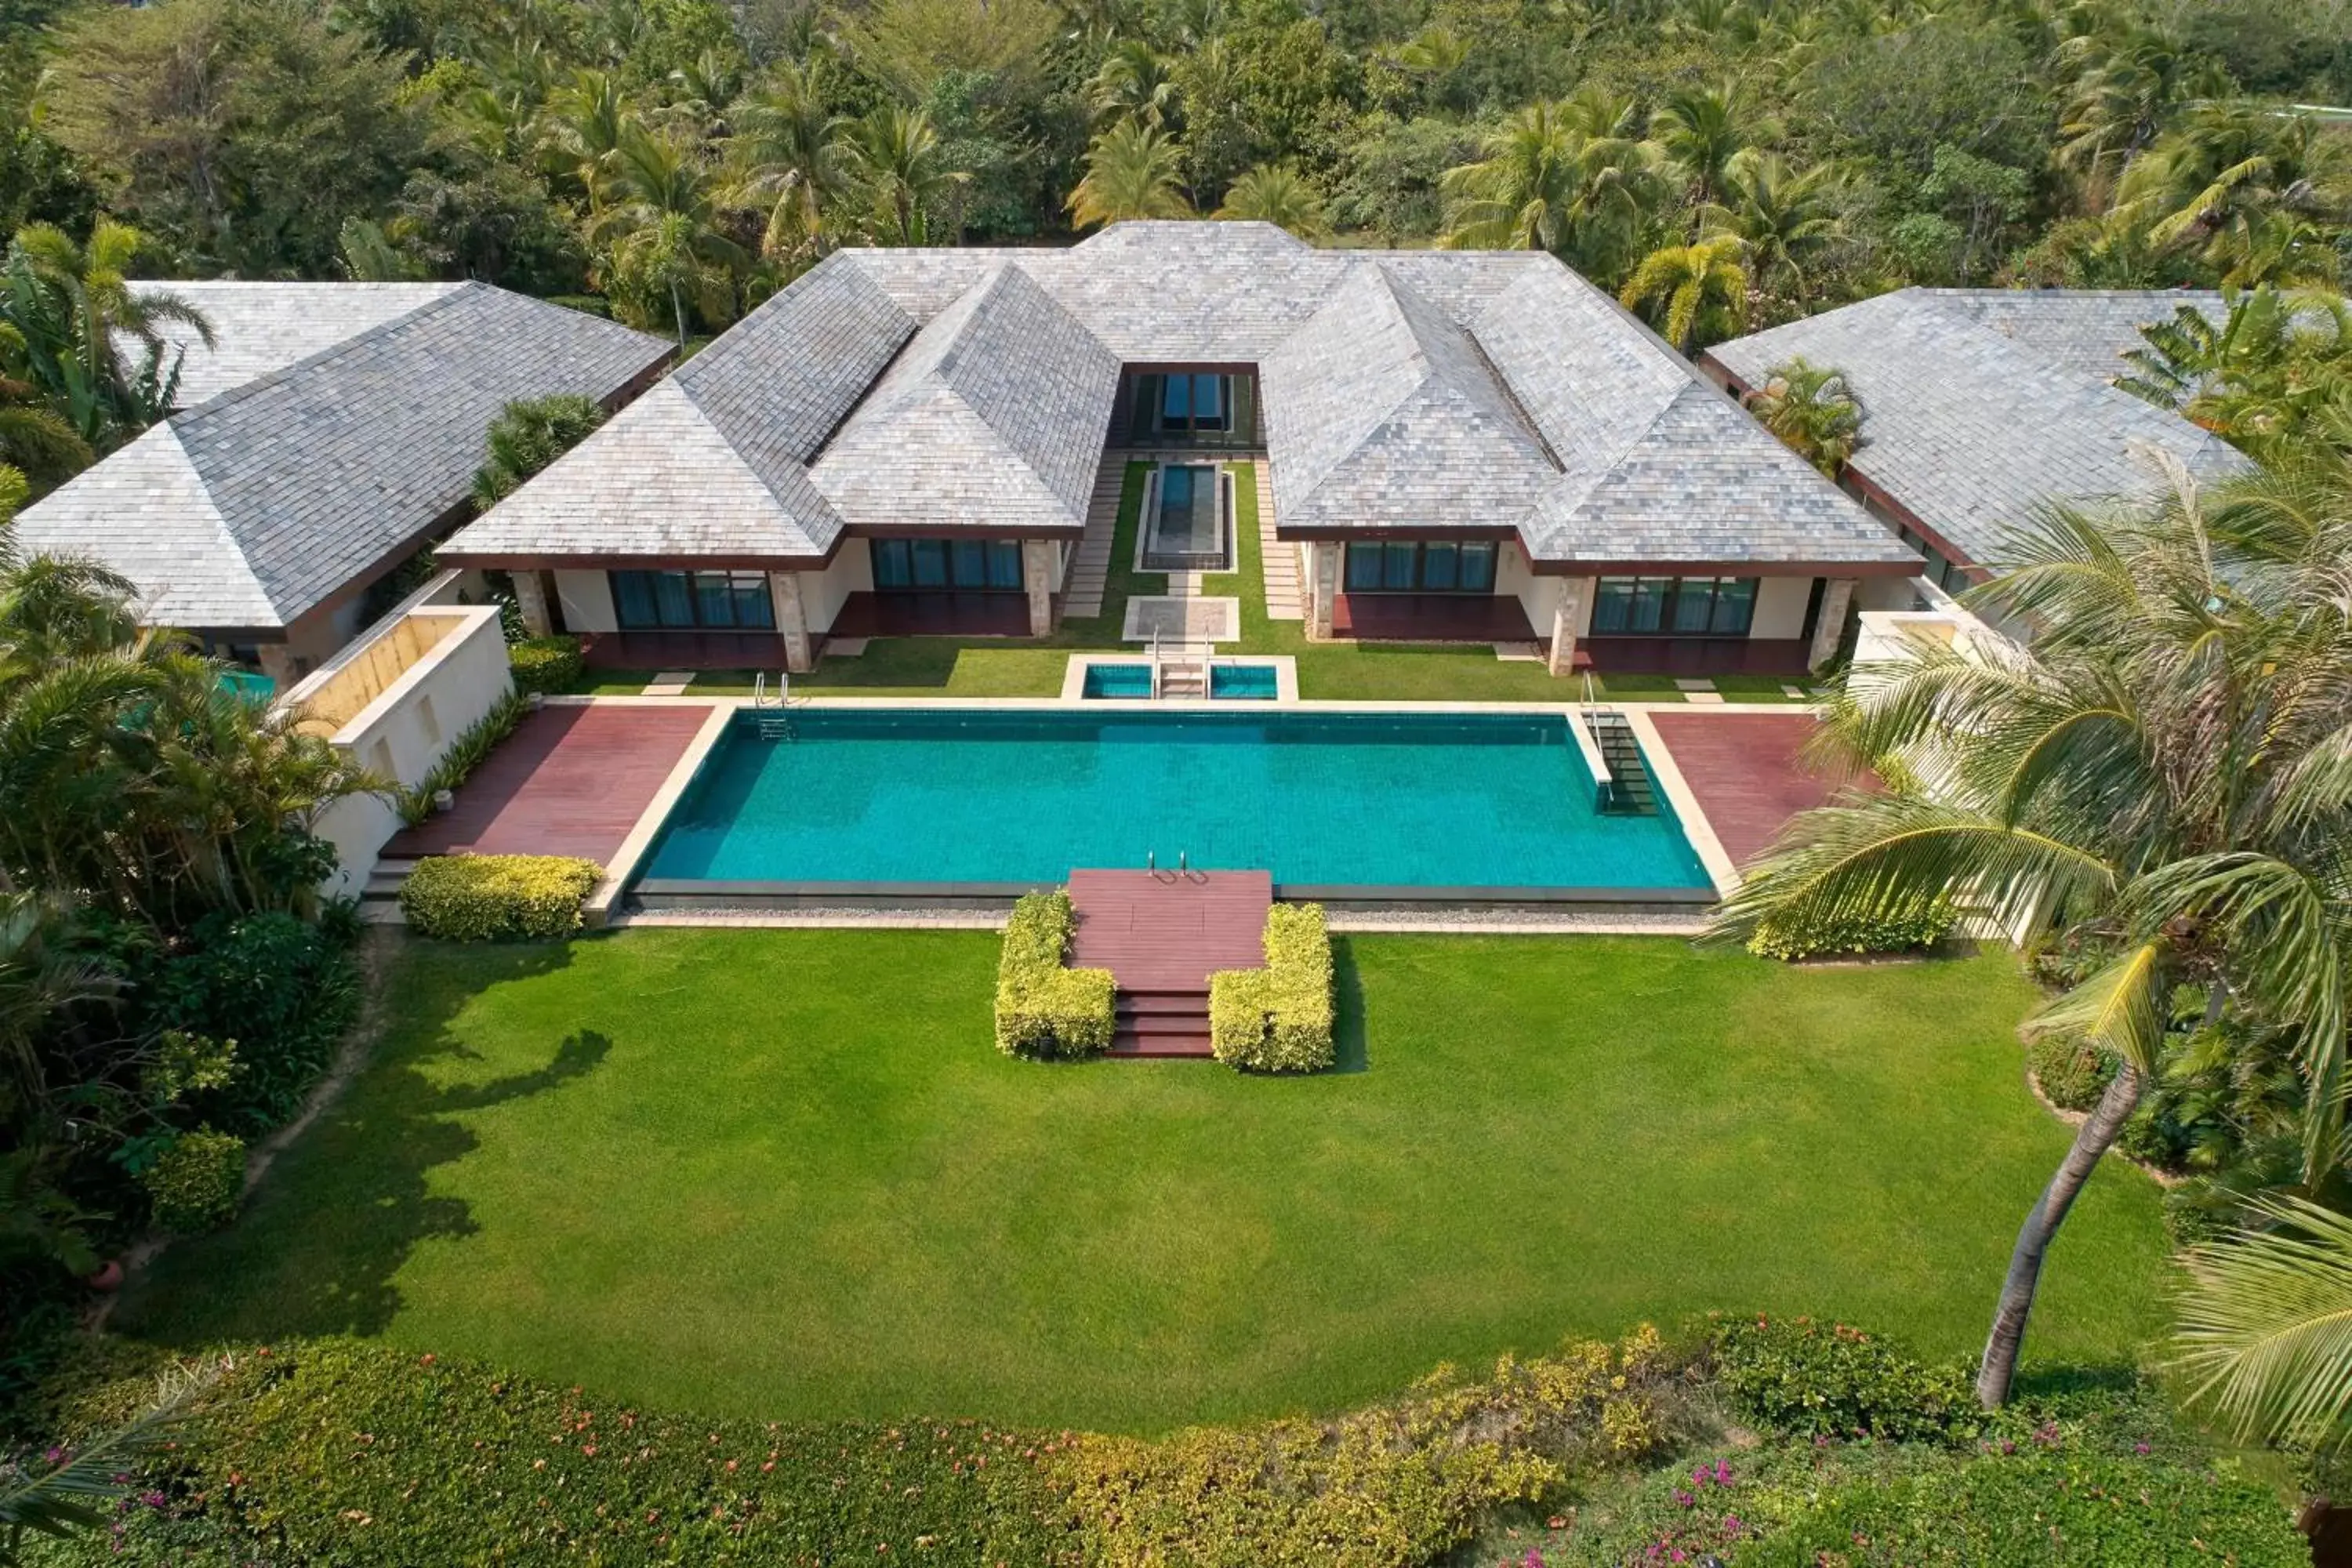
(1161, 934)
(1747, 772)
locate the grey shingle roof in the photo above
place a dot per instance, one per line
(1420, 390)
(268, 500)
(1981, 405)
(259, 328)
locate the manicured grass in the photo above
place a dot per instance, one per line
(786, 1174)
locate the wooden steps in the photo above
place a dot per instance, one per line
(1161, 934)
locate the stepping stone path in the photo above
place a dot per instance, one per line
(669, 683)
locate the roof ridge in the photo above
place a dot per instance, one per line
(236, 394)
(800, 466)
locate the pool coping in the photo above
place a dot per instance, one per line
(1073, 683)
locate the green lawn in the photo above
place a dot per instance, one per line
(786, 1174)
(1395, 672)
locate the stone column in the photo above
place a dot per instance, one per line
(791, 621)
(277, 661)
(1837, 602)
(1565, 617)
(531, 598)
(1322, 586)
(1039, 558)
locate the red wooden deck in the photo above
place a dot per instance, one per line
(570, 780)
(1161, 935)
(1431, 618)
(1747, 771)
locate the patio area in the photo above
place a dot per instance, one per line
(1747, 769)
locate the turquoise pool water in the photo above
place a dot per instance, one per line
(1234, 682)
(933, 796)
(1119, 680)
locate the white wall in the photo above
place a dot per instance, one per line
(1539, 596)
(587, 601)
(1780, 607)
(403, 731)
(851, 571)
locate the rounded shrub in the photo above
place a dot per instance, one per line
(1812, 1379)
(546, 664)
(196, 1182)
(497, 898)
(2071, 1073)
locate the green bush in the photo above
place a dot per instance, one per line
(196, 1182)
(463, 756)
(1279, 1019)
(1043, 1009)
(1790, 940)
(545, 663)
(365, 1456)
(1809, 1379)
(2073, 1073)
(497, 898)
(2033, 1508)
(284, 991)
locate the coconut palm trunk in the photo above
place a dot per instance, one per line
(2092, 1140)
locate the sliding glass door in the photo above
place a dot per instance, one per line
(1420, 566)
(1673, 607)
(693, 600)
(1191, 408)
(947, 565)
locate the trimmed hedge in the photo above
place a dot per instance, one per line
(195, 1185)
(1279, 1019)
(546, 664)
(2073, 1073)
(1811, 1379)
(1790, 940)
(1044, 1010)
(497, 898)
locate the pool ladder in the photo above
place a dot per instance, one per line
(774, 723)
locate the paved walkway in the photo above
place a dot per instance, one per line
(1082, 596)
(572, 779)
(1746, 769)
(1278, 562)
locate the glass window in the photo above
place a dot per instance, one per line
(1693, 606)
(1004, 563)
(1363, 568)
(1176, 400)
(754, 610)
(1143, 422)
(1735, 607)
(893, 567)
(970, 567)
(1438, 567)
(1209, 402)
(1477, 567)
(673, 598)
(930, 563)
(633, 599)
(1397, 574)
(714, 599)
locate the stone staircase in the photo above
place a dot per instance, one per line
(1082, 593)
(1184, 672)
(1162, 1024)
(382, 894)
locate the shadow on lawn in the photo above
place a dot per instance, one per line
(321, 1244)
(1352, 1052)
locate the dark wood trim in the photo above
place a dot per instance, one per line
(1724, 568)
(1341, 533)
(1870, 490)
(555, 562)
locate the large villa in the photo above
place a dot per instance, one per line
(1457, 446)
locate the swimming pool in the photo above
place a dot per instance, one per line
(1227, 682)
(1322, 800)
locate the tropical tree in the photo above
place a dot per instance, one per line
(2265, 1322)
(526, 436)
(1134, 83)
(2239, 185)
(583, 126)
(1278, 194)
(792, 159)
(1787, 216)
(68, 312)
(1569, 177)
(662, 225)
(1815, 411)
(2261, 375)
(1700, 131)
(2161, 777)
(1132, 172)
(894, 155)
(77, 1491)
(1693, 294)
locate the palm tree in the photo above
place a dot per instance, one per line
(2210, 185)
(894, 154)
(1787, 216)
(662, 223)
(2130, 73)
(70, 309)
(2273, 362)
(792, 158)
(1134, 84)
(1813, 410)
(527, 435)
(2162, 775)
(2266, 1323)
(1278, 194)
(1132, 172)
(76, 1491)
(583, 126)
(1700, 132)
(1693, 294)
(1568, 177)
